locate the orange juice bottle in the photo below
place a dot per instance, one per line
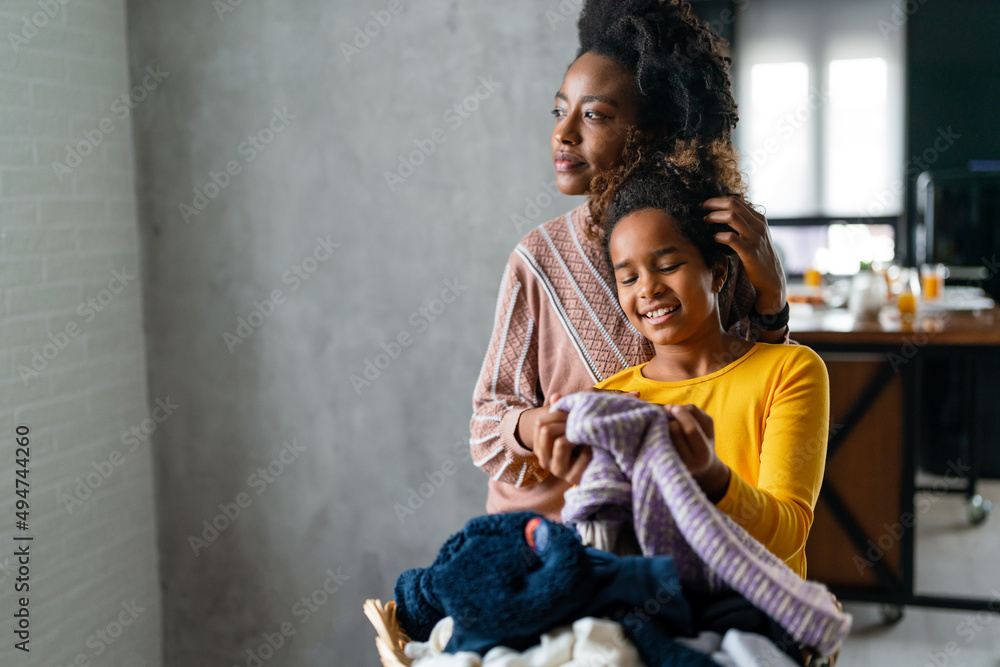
(929, 281)
(812, 277)
(909, 281)
(907, 304)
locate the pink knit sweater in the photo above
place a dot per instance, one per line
(557, 328)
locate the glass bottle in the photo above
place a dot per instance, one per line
(909, 291)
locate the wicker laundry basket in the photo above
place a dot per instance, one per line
(390, 638)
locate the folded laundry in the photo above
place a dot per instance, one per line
(590, 641)
(636, 475)
(506, 579)
(746, 649)
(594, 642)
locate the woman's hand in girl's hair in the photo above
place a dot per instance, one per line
(555, 453)
(693, 435)
(750, 238)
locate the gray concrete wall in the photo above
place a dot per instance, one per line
(330, 122)
(72, 352)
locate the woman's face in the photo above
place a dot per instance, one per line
(594, 108)
(664, 286)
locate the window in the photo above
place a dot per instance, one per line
(820, 89)
(856, 147)
(779, 152)
(836, 249)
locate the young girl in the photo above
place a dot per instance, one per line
(650, 66)
(750, 419)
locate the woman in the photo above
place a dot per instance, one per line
(645, 72)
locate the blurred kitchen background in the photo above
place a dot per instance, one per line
(870, 136)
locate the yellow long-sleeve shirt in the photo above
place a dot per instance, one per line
(771, 412)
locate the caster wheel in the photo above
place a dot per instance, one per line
(891, 613)
(979, 508)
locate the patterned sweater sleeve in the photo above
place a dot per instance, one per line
(508, 382)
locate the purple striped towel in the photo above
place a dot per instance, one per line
(637, 473)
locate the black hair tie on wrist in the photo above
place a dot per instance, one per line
(773, 322)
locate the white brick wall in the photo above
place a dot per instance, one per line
(61, 239)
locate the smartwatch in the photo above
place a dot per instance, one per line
(773, 322)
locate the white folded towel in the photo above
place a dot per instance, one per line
(590, 642)
(594, 642)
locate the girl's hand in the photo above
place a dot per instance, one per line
(693, 434)
(555, 453)
(751, 240)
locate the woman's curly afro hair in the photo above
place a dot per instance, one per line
(680, 67)
(686, 108)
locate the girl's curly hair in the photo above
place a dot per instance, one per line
(698, 166)
(681, 68)
(675, 183)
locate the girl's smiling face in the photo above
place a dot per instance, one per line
(594, 108)
(664, 286)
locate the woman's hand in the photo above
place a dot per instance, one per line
(693, 435)
(555, 453)
(751, 240)
(544, 432)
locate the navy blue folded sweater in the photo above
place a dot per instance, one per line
(508, 578)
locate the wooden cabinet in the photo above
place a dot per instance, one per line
(862, 475)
